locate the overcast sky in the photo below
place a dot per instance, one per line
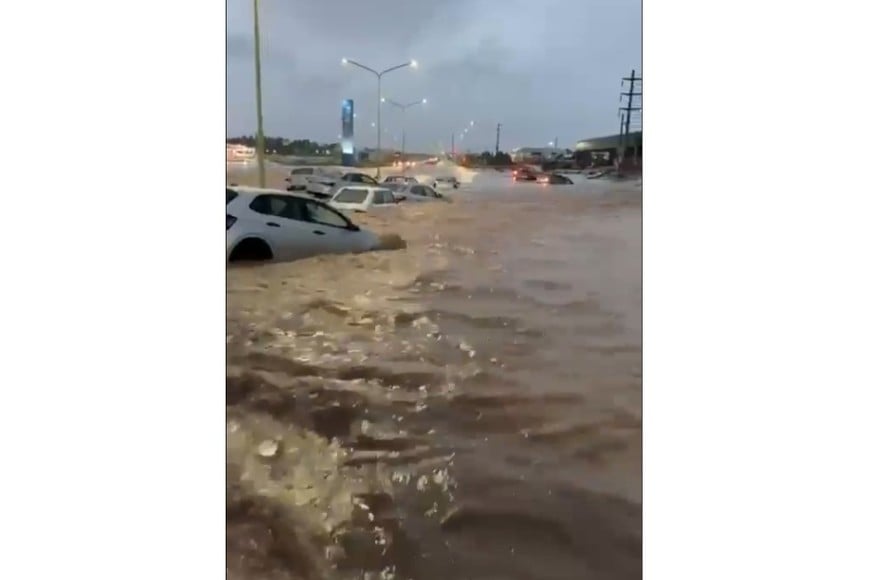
(545, 69)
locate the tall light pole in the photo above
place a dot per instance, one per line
(379, 74)
(404, 108)
(261, 153)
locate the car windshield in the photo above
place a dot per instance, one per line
(351, 195)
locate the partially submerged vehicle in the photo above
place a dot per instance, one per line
(524, 174)
(445, 183)
(419, 193)
(362, 198)
(270, 224)
(554, 179)
(298, 178)
(327, 184)
(399, 179)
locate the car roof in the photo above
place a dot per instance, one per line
(365, 186)
(250, 190)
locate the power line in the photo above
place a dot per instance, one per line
(634, 92)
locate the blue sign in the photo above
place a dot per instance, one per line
(347, 153)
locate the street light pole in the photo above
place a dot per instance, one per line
(379, 74)
(261, 153)
(404, 107)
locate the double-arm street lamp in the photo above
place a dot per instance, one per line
(403, 108)
(379, 74)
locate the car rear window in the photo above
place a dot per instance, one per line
(352, 195)
(231, 195)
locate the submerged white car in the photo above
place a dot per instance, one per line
(298, 178)
(419, 193)
(362, 198)
(445, 183)
(270, 224)
(325, 185)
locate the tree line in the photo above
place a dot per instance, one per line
(281, 146)
(500, 159)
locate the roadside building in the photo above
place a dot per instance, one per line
(535, 154)
(606, 150)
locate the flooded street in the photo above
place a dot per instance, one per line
(468, 407)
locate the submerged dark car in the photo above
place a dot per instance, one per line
(554, 179)
(524, 174)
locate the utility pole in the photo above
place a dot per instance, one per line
(497, 137)
(556, 143)
(625, 127)
(453, 145)
(261, 153)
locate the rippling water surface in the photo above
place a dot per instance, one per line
(466, 407)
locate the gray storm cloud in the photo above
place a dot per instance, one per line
(543, 69)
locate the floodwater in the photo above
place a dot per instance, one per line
(468, 407)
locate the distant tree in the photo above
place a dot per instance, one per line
(283, 146)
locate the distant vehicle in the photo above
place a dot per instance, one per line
(598, 174)
(419, 193)
(326, 185)
(362, 198)
(270, 224)
(524, 174)
(554, 179)
(401, 179)
(446, 182)
(298, 178)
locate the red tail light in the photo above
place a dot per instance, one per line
(230, 221)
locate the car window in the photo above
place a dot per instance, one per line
(411, 180)
(321, 214)
(303, 171)
(367, 179)
(418, 190)
(383, 196)
(351, 178)
(429, 191)
(231, 195)
(280, 206)
(294, 209)
(267, 205)
(351, 195)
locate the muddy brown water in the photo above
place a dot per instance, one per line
(468, 407)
